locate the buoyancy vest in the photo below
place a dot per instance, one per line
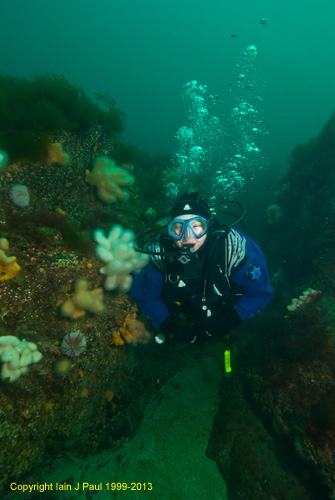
(200, 279)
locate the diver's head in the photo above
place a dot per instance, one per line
(190, 222)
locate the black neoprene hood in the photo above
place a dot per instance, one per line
(191, 203)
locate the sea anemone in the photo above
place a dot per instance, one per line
(73, 344)
(62, 367)
(19, 195)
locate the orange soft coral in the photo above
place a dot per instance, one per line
(83, 300)
(134, 331)
(110, 180)
(56, 154)
(8, 265)
(116, 338)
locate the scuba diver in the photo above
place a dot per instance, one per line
(203, 279)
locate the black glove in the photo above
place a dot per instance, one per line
(180, 332)
(219, 320)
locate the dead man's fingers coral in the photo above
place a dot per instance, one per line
(8, 265)
(83, 300)
(110, 180)
(117, 252)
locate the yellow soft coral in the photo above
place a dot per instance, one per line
(116, 338)
(109, 179)
(56, 154)
(8, 265)
(83, 300)
(134, 331)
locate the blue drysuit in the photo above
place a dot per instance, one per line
(229, 275)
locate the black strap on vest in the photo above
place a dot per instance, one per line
(216, 254)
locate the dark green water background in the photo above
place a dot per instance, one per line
(143, 52)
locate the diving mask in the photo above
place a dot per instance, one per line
(195, 227)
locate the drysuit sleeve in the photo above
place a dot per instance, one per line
(253, 280)
(146, 290)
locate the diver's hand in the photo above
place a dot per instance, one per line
(179, 332)
(221, 322)
(175, 331)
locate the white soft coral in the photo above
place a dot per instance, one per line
(16, 356)
(117, 251)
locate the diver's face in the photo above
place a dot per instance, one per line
(189, 238)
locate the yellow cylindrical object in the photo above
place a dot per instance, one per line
(227, 366)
